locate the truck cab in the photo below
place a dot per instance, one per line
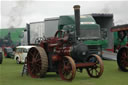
(89, 31)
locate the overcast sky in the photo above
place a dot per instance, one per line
(18, 13)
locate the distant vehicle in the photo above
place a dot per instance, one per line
(1, 56)
(21, 53)
(8, 52)
(121, 46)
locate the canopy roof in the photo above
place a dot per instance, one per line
(119, 28)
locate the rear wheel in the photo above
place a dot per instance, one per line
(96, 70)
(37, 62)
(122, 59)
(67, 69)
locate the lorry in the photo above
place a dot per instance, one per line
(48, 27)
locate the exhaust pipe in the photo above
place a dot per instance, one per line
(77, 19)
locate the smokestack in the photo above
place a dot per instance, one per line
(77, 19)
(28, 33)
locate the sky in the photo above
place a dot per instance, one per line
(16, 13)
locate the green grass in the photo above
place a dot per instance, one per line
(10, 74)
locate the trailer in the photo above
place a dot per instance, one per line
(106, 22)
(36, 31)
(51, 26)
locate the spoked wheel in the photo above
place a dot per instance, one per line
(67, 69)
(122, 59)
(96, 70)
(37, 62)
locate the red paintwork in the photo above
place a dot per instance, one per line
(112, 50)
(56, 45)
(84, 64)
(119, 29)
(127, 44)
(5, 53)
(60, 48)
(56, 58)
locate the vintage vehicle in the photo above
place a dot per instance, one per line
(122, 44)
(65, 52)
(1, 56)
(21, 53)
(8, 52)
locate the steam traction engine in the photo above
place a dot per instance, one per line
(122, 55)
(64, 54)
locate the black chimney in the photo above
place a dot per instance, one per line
(28, 33)
(77, 19)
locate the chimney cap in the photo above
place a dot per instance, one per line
(76, 7)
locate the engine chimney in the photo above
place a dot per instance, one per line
(77, 19)
(28, 33)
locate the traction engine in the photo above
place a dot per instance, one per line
(122, 55)
(65, 53)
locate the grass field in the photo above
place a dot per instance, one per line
(10, 74)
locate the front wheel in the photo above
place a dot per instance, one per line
(96, 70)
(67, 68)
